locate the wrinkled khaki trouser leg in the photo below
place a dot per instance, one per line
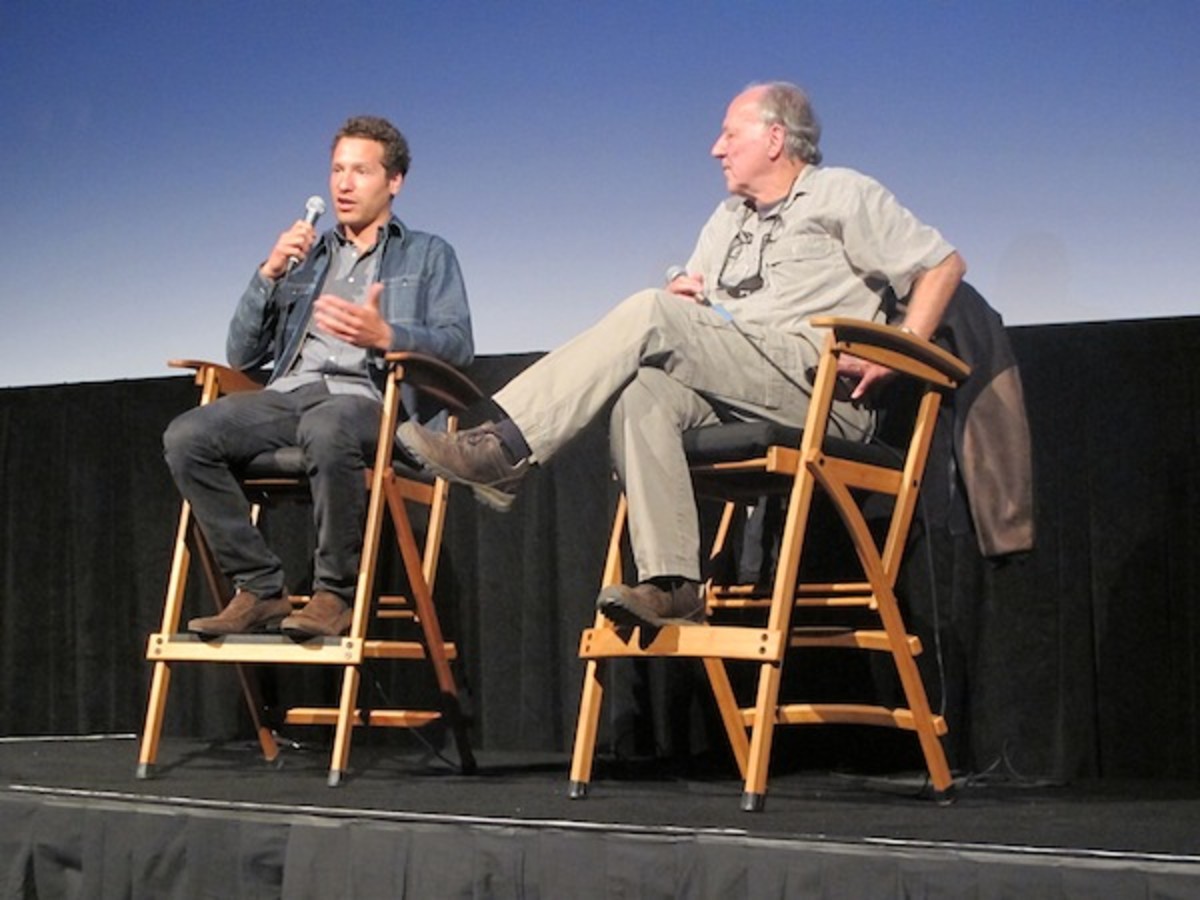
(669, 361)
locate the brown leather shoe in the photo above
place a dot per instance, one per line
(325, 615)
(244, 614)
(474, 457)
(667, 602)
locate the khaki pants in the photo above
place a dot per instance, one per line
(672, 365)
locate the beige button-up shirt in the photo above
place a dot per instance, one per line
(831, 247)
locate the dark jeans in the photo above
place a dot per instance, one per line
(338, 433)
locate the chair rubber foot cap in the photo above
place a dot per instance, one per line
(578, 790)
(753, 802)
(946, 797)
(144, 771)
(335, 778)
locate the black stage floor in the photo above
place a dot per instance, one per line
(218, 821)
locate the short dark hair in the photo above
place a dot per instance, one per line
(396, 155)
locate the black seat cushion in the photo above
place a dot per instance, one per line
(288, 462)
(728, 441)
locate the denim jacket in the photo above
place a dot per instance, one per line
(424, 301)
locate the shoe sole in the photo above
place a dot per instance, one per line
(489, 495)
(301, 634)
(268, 627)
(494, 498)
(626, 616)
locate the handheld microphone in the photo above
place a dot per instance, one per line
(314, 208)
(675, 271)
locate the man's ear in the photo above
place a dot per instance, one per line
(776, 141)
(395, 183)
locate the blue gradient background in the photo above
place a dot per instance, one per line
(153, 151)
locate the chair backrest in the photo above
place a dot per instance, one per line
(934, 370)
(434, 379)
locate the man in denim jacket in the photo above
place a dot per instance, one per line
(324, 310)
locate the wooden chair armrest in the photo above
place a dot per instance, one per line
(433, 377)
(227, 380)
(427, 374)
(895, 348)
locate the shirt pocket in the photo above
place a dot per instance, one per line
(402, 300)
(800, 247)
(293, 291)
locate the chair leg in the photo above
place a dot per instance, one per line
(172, 616)
(248, 678)
(591, 698)
(431, 627)
(914, 693)
(754, 796)
(894, 627)
(347, 710)
(457, 719)
(770, 673)
(160, 681)
(152, 731)
(587, 725)
(731, 715)
(369, 557)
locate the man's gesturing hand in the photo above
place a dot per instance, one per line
(362, 326)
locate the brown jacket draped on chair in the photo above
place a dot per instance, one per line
(992, 449)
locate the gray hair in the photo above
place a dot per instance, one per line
(788, 105)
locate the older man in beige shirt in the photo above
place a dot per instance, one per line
(728, 338)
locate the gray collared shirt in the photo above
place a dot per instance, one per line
(341, 365)
(831, 247)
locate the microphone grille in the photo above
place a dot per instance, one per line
(674, 272)
(315, 205)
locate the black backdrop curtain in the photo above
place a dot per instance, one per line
(1081, 659)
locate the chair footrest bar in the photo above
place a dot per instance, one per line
(727, 642)
(376, 718)
(277, 648)
(831, 602)
(851, 639)
(253, 648)
(378, 649)
(845, 714)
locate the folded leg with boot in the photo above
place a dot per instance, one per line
(672, 365)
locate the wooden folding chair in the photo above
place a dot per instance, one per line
(391, 488)
(763, 458)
